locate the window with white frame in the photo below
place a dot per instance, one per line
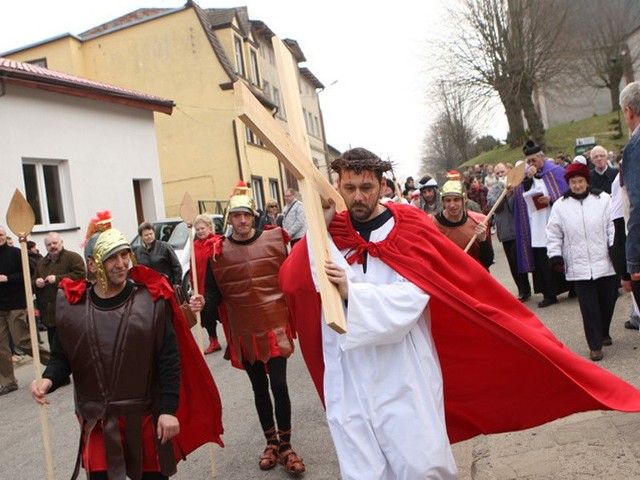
(258, 192)
(310, 124)
(276, 100)
(267, 89)
(306, 119)
(274, 189)
(251, 137)
(255, 71)
(47, 190)
(237, 42)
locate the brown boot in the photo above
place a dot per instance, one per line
(214, 346)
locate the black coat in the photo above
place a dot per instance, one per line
(12, 295)
(161, 258)
(603, 182)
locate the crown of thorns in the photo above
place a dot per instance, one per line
(358, 164)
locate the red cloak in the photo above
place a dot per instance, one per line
(503, 370)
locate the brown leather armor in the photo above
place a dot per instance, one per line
(247, 276)
(113, 356)
(461, 235)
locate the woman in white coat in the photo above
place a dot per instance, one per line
(579, 234)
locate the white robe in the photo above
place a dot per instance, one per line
(382, 380)
(537, 218)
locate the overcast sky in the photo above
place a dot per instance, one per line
(373, 58)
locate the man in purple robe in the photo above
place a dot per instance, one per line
(544, 183)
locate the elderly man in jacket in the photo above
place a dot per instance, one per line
(57, 264)
(294, 221)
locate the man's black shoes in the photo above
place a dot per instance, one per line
(631, 326)
(547, 301)
(523, 297)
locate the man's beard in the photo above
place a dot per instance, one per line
(361, 215)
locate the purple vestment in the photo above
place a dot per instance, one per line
(553, 177)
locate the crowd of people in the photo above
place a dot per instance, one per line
(534, 238)
(555, 221)
(573, 224)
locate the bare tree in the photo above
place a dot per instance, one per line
(508, 48)
(601, 51)
(449, 141)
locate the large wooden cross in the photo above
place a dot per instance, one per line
(294, 152)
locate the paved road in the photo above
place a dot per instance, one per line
(593, 445)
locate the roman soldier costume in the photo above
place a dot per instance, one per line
(133, 359)
(462, 231)
(257, 314)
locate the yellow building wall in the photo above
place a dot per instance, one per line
(63, 55)
(171, 57)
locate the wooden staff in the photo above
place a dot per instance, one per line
(514, 178)
(188, 214)
(21, 220)
(397, 189)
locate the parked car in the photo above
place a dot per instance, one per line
(175, 232)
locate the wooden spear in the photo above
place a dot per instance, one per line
(188, 214)
(514, 178)
(21, 220)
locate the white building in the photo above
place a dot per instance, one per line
(73, 147)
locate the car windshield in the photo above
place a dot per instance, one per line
(175, 232)
(179, 236)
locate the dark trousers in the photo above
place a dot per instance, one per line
(209, 317)
(274, 372)
(521, 279)
(635, 291)
(597, 299)
(545, 280)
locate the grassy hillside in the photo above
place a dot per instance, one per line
(562, 138)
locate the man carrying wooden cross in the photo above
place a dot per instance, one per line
(382, 384)
(435, 349)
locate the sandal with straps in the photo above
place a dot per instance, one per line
(291, 462)
(269, 457)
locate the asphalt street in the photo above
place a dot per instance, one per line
(593, 445)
